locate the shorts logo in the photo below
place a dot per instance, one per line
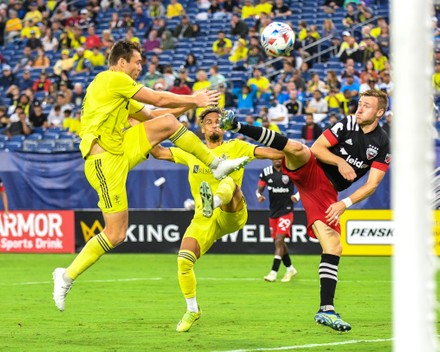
(89, 232)
(117, 199)
(372, 152)
(285, 179)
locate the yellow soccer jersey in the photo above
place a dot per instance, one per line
(106, 107)
(199, 172)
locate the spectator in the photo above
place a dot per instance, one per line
(350, 70)
(332, 81)
(350, 18)
(279, 93)
(190, 62)
(245, 96)
(364, 13)
(334, 99)
(328, 28)
(369, 72)
(42, 84)
(278, 112)
(351, 86)
(152, 76)
(107, 39)
(81, 65)
(370, 83)
(239, 51)
(248, 10)
(215, 77)
(13, 26)
(154, 59)
(293, 105)
(77, 40)
(384, 41)
(349, 48)
(96, 57)
(129, 35)
(116, 21)
(73, 20)
(8, 78)
(239, 27)
(184, 29)
(37, 117)
(348, 105)
(33, 42)
(222, 46)
(63, 88)
(180, 87)
(25, 81)
(255, 56)
(330, 6)
(49, 41)
(152, 43)
(56, 117)
(92, 39)
(310, 131)
(436, 78)
(175, 9)
(261, 83)
(379, 60)
(215, 9)
(366, 49)
(63, 102)
(85, 20)
(226, 98)
(139, 17)
(156, 9)
(33, 13)
(72, 124)
(266, 123)
(183, 75)
(317, 105)
(386, 85)
(316, 83)
(387, 124)
(19, 125)
(4, 119)
(41, 61)
(65, 63)
(280, 9)
(231, 6)
(78, 94)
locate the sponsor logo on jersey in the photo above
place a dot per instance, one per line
(356, 162)
(285, 179)
(349, 141)
(372, 152)
(280, 190)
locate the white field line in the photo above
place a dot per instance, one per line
(314, 345)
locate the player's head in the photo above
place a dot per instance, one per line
(372, 106)
(277, 163)
(126, 56)
(210, 118)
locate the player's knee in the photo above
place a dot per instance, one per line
(185, 262)
(294, 147)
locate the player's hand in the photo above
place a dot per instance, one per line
(334, 212)
(293, 198)
(261, 199)
(206, 97)
(346, 171)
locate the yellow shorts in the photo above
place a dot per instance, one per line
(107, 173)
(207, 230)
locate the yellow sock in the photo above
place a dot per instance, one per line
(92, 251)
(185, 271)
(189, 142)
(225, 190)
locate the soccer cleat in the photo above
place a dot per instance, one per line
(271, 277)
(226, 166)
(228, 121)
(332, 320)
(207, 199)
(289, 274)
(188, 320)
(60, 288)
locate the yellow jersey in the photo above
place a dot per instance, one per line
(199, 172)
(105, 110)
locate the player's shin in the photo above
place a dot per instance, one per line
(328, 276)
(225, 192)
(92, 251)
(263, 135)
(187, 279)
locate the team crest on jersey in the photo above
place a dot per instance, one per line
(388, 158)
(285, 179)
(372, 152)
(195, 169)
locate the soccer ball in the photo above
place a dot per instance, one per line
(278, 39)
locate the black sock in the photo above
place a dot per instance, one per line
(286, 260)
(263, 135)
(276, 263)
(328, 277)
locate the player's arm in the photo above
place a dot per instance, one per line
(162, 153)
(165, 99)
(260, 189)
(268, 153)
(321, 151)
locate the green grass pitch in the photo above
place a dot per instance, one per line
(133, 303)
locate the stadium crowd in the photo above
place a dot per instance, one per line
(51, 50)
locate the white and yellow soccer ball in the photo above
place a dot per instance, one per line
(278, 39)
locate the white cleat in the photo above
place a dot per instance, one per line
(227, 166)
(60, 288)
(207, 199)
(271, 277)
(289, 274)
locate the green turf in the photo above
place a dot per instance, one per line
(109, 310)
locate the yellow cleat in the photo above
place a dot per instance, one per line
(188, 320)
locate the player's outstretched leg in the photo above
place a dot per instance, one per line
(60, 287)
(332, 320)
(207, 199)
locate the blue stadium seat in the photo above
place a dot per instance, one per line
(13, 146)
(45, 146)
(51, 135)
(34, 136)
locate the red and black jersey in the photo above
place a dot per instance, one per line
(361, 151)
(2, 186)
(280, 188)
